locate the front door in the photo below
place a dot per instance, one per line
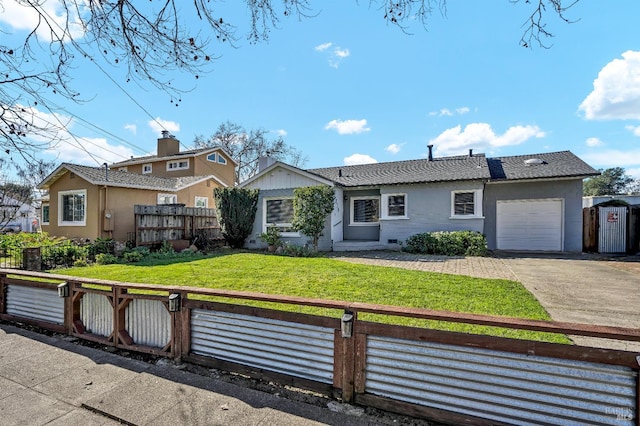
(362, 215)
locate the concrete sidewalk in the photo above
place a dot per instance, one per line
(52, 381)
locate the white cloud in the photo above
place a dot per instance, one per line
(634, 129)
(446, 112)
(348, 127)
(356, 159)
(613, 158)
(281, 132)
(616, 90)
(394, 148)
(335, 56)
(132, 128)
(592, 142)
(158, 125)
(61, 143)
(322, 47)
(25, 18)
(481, 136)
(82, 150)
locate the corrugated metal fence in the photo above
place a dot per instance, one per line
(445, 376)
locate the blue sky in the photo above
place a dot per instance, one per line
(345, 88)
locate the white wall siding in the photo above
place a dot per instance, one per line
(281, 178)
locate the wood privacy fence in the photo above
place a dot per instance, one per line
(156, 224)
(445, 376)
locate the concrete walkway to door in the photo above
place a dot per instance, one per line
(580, 288)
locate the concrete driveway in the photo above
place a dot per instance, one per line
(580, 288)
(587, 289)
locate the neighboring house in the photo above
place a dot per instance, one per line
(594, 200)
(171, 162)
(17, 215)
(528, 202)
(91, 202)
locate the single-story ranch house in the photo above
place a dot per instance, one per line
(526, 202)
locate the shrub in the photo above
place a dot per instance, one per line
(101, 246)
(80, 263)
(311, 206)
(236, 208)
(271, 237)
(453, 243)
(63, 254)
(293, 250)
(132, 256)
(144, 251)
(106, 259)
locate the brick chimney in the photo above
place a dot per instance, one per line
(168, 145)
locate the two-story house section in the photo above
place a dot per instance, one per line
(171, 162)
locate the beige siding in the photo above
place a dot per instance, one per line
(188, 195)
(116, 201)
(225, 172)
(67, 182)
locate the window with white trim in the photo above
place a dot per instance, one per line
(278, 213)
(72, 207)
(45, 214)
(147, 169)
(365, 210)
(177, 165)
(466, 204)
(202, 202)
(216, 158)
(394, 206)
(167, 199)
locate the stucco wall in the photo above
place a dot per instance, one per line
(68, 182)
(198, 166)
(118, 201)
(428, 210)
(568, 190)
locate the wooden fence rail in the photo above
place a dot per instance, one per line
(441, 375)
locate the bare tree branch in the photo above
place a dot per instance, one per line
(151, 40)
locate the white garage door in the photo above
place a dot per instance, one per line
(529, 225)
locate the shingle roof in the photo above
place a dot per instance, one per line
(545, 165)
(560, 164)
(412, 171)
(98, 176)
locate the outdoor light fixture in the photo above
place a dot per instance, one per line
(174, 302)
(63, 290)
(347, 324)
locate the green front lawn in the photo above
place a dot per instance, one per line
(336, 280)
